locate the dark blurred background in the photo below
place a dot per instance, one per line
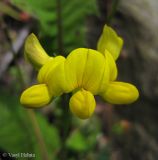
(126, 132)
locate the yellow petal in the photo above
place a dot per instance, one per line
(120, 93)
(110, 41)
(36, 96)
(56, 80)
(82, 104)
(53, 74)
(112, 65)
(94, 71)
(74, 67)
(34, 52)
(84, 68)
(45, 70)
(105, 78)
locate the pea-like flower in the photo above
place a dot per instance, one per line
(84, 72)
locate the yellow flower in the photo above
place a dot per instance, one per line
(84, 72)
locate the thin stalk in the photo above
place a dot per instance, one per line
(38, 134)
(59, 27)
(66, 116)
(30, 112)
(64, 125)
(113, 10)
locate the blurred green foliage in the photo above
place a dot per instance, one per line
(16, 133)
(77, 142)
(73, 19)
(5, 9)
(117, 128)
(84, 138)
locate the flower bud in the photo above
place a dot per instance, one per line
(82, 104)
(34, 52)
(35, 96)
(120, 93)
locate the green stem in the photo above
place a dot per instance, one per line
(59, 27)
(64, 125)
(65, 117)
(113, 10)
(38, 134)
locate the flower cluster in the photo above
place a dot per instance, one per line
(84, 72)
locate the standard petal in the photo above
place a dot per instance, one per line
(74, 67)
(36, 96)
(85, 68)
(111, 41)
(34, 52)
(120, 93)
(82, 104)
(94, 71)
